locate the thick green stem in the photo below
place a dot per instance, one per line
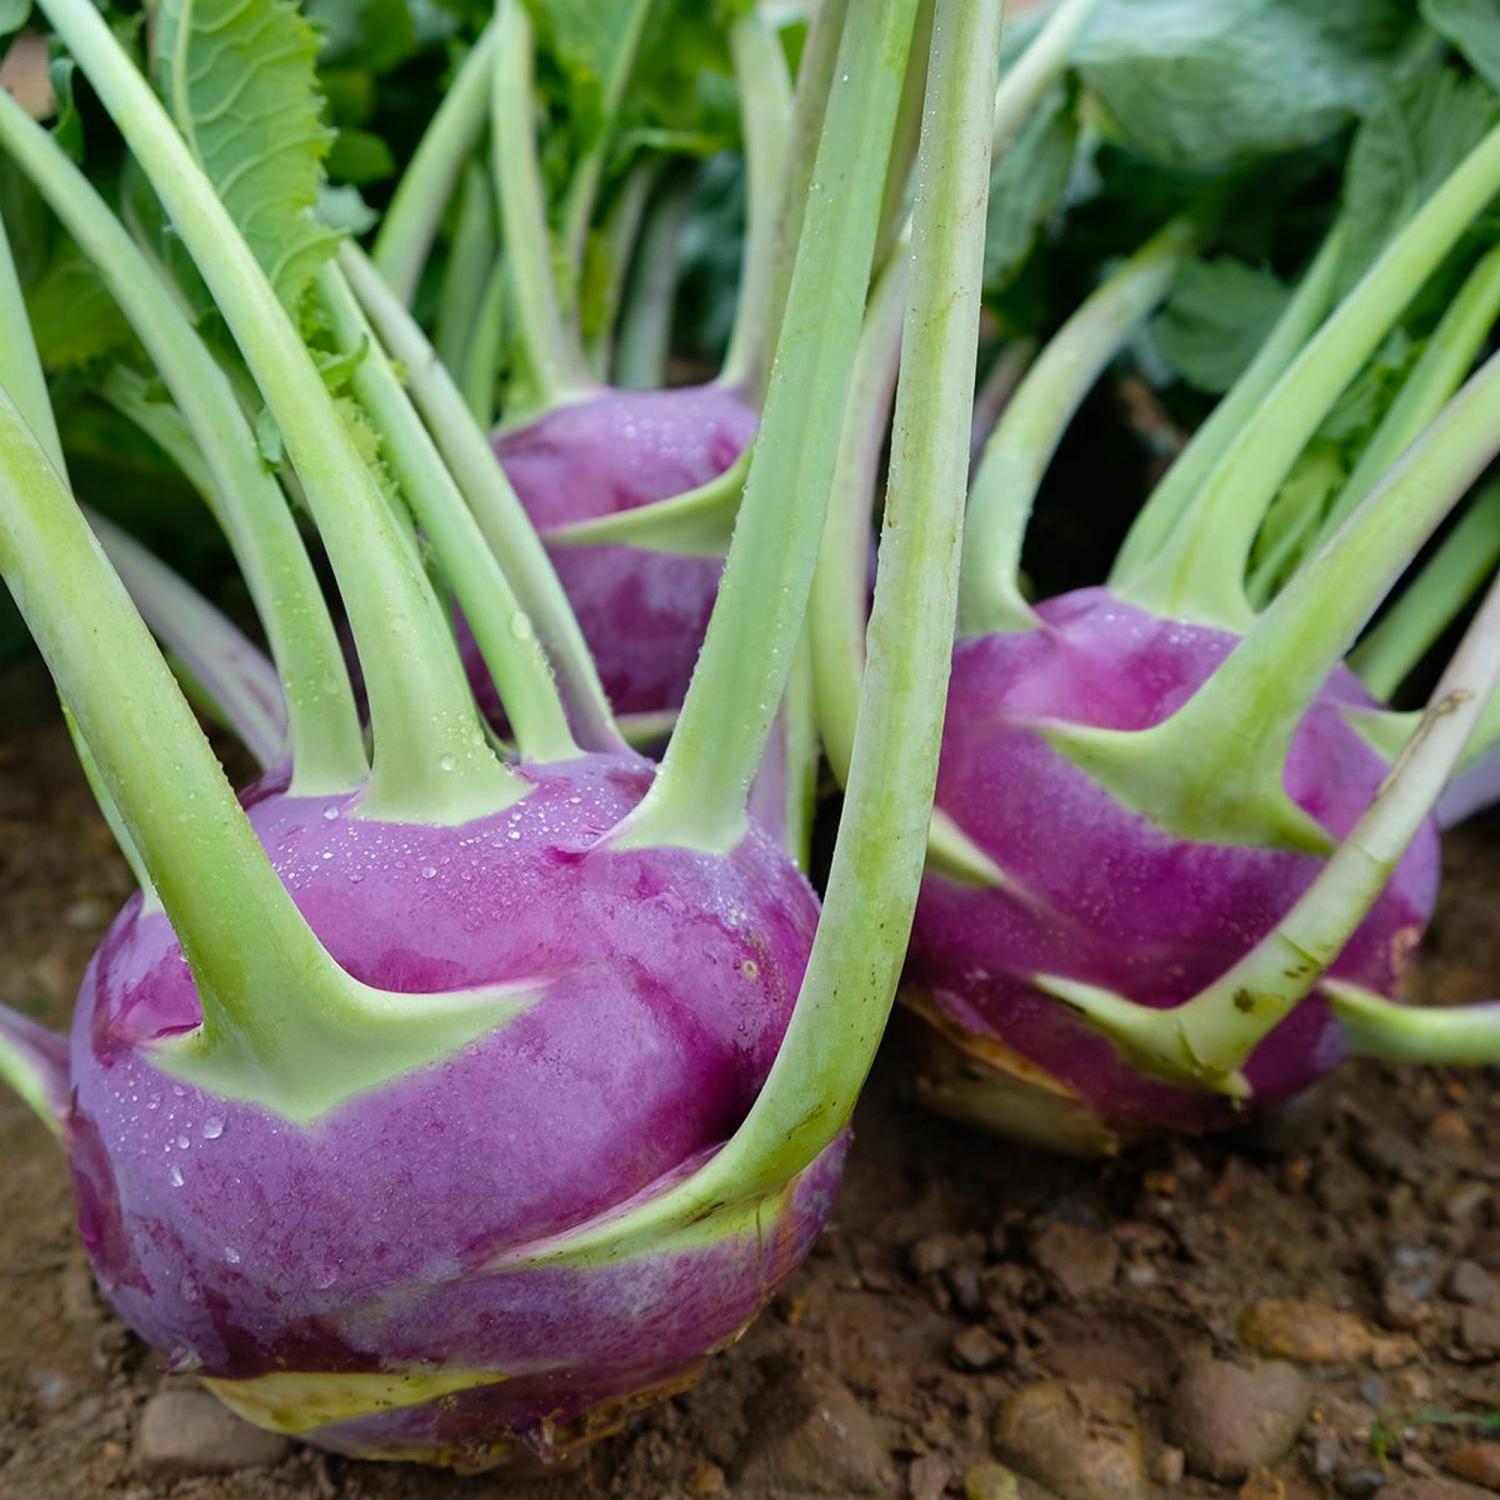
(583, 188)
(505, 524)
(431, 760)
(1433, 600)
(1209, 1039)
(820, 57)
(1444, 363)
(1037, 69)
(150, 901)
(501, 627)
(1214, 770)
(861, 942)
(482, 359)
(326, 737)
(838, 613)
(468, 272)
(1438, 1035)
(1200, 573)
(282, 1023)
(1181, 484)
(766, 112)
(646, 327)
(240, 682)
(1021, 447)
(698, 798)
(894, 230)
(622, 232)
(554, 357)
(411, 222)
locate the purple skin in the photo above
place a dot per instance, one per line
(643, 613)
(243, 1244)
(1121, 904)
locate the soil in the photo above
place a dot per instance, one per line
(958, 1272)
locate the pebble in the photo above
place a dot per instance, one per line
(187, 1432)
(1079, 1438)
(1469, 1282)
(809, 1435)
(1433, 1489)
(1262, 1485)
(707, 1480)
(928, 1477)
(1479, 1463)
(1230, 1419)
(1077, 1261)
(936, 1252)
(1305, 1332)
(991, 1482)
(1169, 1465)
(1479, 1331)
(1360, 1482)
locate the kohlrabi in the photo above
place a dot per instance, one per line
(1173, 875)
(442, 1102)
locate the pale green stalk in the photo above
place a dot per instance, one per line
(507, 529)
(1433, 600)
(1199, 574)
(554, 357)
(431, 760)
(698, 797)
(467, 274)
(851, 977)
(1019, 451)
(766, 111)
(1179, 487)
(645, 336)
(481, 367)
(501, 627)
(411, 222)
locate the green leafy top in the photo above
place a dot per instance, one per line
(1196, 82)
(240, 78)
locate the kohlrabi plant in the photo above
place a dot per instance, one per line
(434, 1101)
(1174, 874)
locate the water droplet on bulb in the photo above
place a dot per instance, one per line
(231, 1255)
(183, 1143)
(428, 871)
(330, 813)
(175, 1176)
(213, 1128)
(447, 762)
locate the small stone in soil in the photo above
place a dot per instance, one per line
(188, 1432)
(1306, 1332)
(1262, 1485)
(1479, 1463)
(809, 1435)
(1479, 1331)
(1079, 1438)
(706, 1480)
(1077, 1261)
(1169, 1465)
(976, 1348)
(928, 1477)
(1471, 1283)
(1230, 1419)
(1360, 1482)
(991, 1482)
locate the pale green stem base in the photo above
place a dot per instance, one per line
(1035, 420)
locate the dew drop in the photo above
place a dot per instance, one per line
(326, 1276)
(331, 813)
(175, 1176)
(428, 871)
(447, 762)
(183, 1143)
(231, 1255)
(213, 1128)
(187, 1289)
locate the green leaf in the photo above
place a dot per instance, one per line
(373, 34)
(240, 79)
(360, 157)
(67, 128)
(1218, 315)
(1027, 185)
(1416, 134)
(1195, 82)
(1473, 26)
(72, 314)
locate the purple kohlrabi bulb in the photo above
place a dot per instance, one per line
(1105, 897)
(642, 612)
(361, 1280)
